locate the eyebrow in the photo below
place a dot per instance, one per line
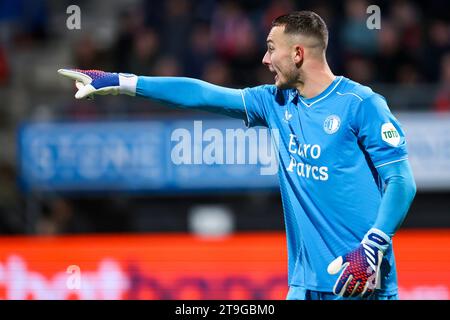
(269, 41)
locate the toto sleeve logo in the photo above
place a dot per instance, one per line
(390, 135)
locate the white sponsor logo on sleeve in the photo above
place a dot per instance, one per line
(389, 134)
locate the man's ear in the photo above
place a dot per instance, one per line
(299, 54)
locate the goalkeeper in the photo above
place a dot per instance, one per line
(345, 180)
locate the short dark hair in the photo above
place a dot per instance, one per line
(306, 23)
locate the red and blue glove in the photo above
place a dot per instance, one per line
(360, 274)
(90, 82)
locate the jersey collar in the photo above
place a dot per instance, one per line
(311, 101)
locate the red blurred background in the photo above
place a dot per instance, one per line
(180, 266)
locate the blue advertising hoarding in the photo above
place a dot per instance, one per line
(157, 155)
(188, 155)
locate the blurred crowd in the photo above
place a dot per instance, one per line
(223, 41)
(220, 41)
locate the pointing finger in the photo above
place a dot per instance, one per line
(75, 75)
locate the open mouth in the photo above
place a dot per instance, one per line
(276, 77)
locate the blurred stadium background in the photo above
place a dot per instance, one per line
(89, 185)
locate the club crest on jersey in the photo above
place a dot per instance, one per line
(389, 134)
(331, 124)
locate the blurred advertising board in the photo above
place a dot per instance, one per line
(181, 266)
(145, 156)
(176, 155)
(428, 137)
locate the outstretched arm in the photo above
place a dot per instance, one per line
(176, 91)
(192, 93)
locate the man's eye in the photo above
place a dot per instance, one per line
(271, 49)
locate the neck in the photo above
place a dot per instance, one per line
(314, 79)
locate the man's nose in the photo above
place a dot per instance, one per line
(266, 59)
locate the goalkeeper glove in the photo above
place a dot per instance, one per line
(360, 274)
(90, 82)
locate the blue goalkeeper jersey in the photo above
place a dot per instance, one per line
(329, 149)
